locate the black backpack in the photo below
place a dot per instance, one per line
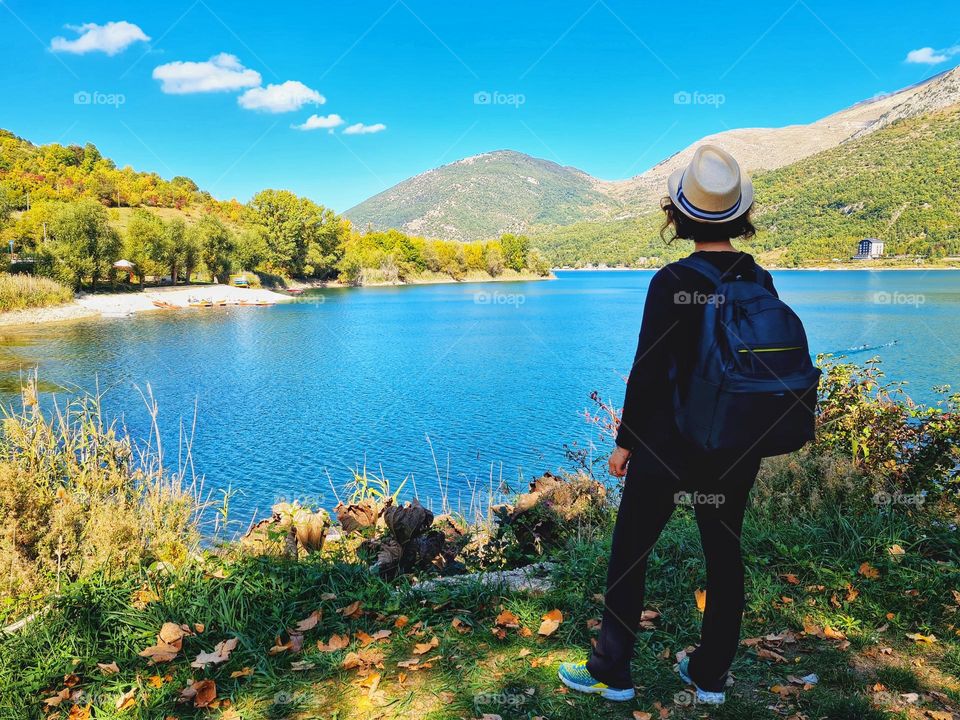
(753, 388)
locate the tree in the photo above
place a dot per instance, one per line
(537, 263)
(494, 258)
(303, 238)
(176, 244)
(251, 248)
(84, 244)
(514, 250)
(145, 244)
(216, 246)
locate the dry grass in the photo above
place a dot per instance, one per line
(19, 292)
(78, 498)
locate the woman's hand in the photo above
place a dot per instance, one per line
(618, 462)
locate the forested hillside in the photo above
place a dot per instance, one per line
(900, 184)
(70, 213)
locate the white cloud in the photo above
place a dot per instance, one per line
(361, 129)
(285, 97)
(220, 73)
(111, 38)
(929, 56)
(321, 122)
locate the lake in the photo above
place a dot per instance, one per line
(469, 382)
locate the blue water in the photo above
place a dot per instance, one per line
(496, 375)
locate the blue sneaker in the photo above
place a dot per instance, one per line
(705, 697)
(577, 677)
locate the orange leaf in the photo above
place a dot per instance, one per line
(792, 579)
(423, 648)
(309, 622)
(127, 700)
(401, 622)
(869, 571)
(507, 619)
(701, 598)
(551, 621)
(353, 610)
(244, 672)
(202, 692)
(336, 642)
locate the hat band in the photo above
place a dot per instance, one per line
(696, 212)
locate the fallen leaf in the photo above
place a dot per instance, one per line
(791, 578)
(460, 626)
(78, 712)
(243, 672)
(701, 598)
(202, 692)
(896, 552)
(640, 715)
(917, 637)
(293, 644)
(424, 648)
(328, 596)
(302, 665)
(55, 700)
(829, 632)
(127, 700)
(110, 668)
(551, 621)
(143, 597)
(353, 610)
(309, 622)
(401, 622)
(336, 642)
(765, 654)
(869, 571)
(507, 619)
(220, 654)
(199, 627)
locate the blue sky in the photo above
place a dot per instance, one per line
(586, 83)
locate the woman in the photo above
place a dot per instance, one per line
(709, 203)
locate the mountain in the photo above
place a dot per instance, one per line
(900, 183)
(484, 196)
(506, 191)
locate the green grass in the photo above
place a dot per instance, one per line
(20, 292)
(254, 599)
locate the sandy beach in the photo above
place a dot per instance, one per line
(125, 304)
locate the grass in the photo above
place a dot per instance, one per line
(475, 673)
(862, 594)
(20, 292)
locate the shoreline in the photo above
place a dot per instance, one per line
(88, 306)
(115, 305)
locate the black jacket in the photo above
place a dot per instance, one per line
(669, 335)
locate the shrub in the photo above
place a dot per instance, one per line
(78, 498)
(18, 292)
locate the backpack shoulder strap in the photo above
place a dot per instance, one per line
(704, 267)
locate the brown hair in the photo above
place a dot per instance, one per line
(686, 228)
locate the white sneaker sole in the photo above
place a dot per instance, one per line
(703, 697)
(605, 693)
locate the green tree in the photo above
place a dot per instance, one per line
(216, 246)
(84, 244)
(145, 244)
(176, 246)
(537, 263)
(251, 248)
(514, 250)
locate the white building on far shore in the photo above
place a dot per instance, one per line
(869, 249)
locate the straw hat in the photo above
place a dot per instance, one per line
(711, 188)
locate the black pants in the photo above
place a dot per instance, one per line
(649, 497)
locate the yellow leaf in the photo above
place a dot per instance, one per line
(917, 637)
(243, 672)
(701, 598)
